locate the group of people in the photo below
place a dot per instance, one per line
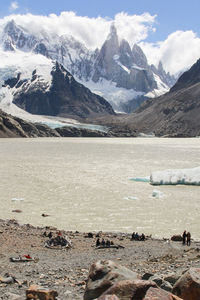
(137, 237)
(186, 238)
(103, 243)
(56, 240)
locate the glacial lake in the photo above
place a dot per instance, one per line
(84, 184)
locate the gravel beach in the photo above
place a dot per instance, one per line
(66, 270)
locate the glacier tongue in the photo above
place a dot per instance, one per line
(176, 176)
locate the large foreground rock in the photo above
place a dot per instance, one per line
(109, 297)
(158, 294)
(188, 286)
(38, 292)
(130, 289)
(102, 275)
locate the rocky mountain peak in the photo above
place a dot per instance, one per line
(16, 36)
(112, 42)
(11, 28)
(139, 57)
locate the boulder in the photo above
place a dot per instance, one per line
(146, 276)
(38, 292)
(172, 278)
(102, 275)
(130, 289)
(158, 294)
(188, 286)
(109, 297)
(166, 286)
(158, 280)
(177, 238)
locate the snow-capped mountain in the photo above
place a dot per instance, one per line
(116, 72)
(35, 84)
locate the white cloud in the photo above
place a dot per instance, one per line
(13, 6)
(178, 52)
(91, 31)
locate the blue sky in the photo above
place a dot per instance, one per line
(172, 15)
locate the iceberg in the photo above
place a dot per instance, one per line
(141, 179)
(157, 194)
(176, 176)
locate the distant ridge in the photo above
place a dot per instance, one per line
(175, 114)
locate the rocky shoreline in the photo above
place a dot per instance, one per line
(65, 270)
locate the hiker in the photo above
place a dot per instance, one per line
(108, 243)
(184, 237)
(188, 239)
(142, 238)
(133, 236)
(50, 235)
(98, 242)
(103, 243)
(137, 236)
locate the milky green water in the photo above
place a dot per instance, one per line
(83, 184)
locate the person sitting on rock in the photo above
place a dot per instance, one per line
(133, 236)
(142, 238)
(50, 235)
(103, 243)
(107, 243)
(98, 242)
(137, 236)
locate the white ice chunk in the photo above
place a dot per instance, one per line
(17, 199)
(141, 179)
(176, 176)
(131, 198)
(157, 194)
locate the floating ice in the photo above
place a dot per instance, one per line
(157, 194)
(17, 199)
(131, 198)
(176, 176)
(141, 179)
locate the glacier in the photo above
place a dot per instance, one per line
(176, 176)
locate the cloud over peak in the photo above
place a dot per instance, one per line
(177, 52)
(91, 31)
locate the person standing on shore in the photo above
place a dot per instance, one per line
(184, 237)
(188, 238)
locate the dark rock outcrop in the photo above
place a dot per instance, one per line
(15, 127)
(65, 97)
